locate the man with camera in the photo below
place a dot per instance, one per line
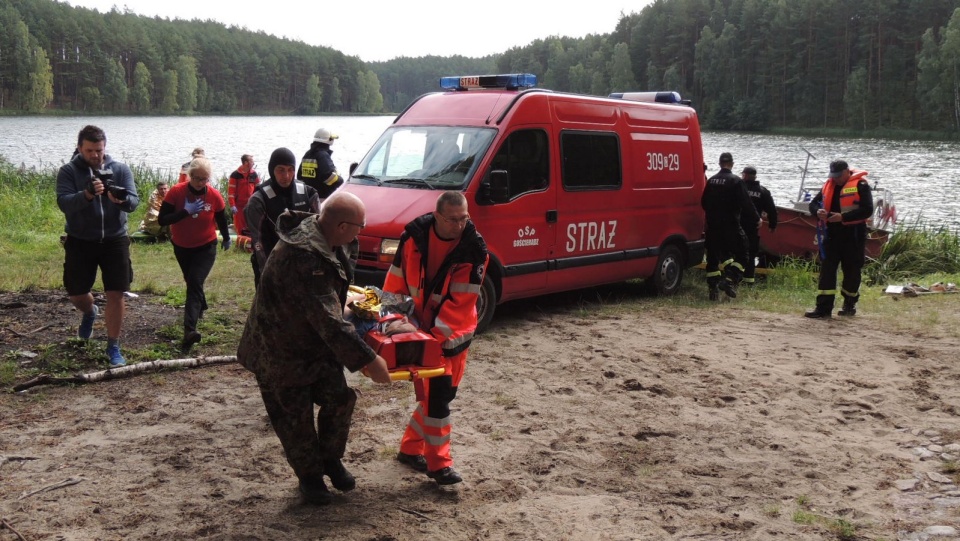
(95, 194)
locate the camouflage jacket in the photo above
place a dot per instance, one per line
(295, 333)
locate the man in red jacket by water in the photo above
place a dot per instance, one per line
(440, 263)
(243, 182)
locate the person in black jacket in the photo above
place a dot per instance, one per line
(279, 193)
(317, 169)
(95, 194)
(844, 204)
(725, 201)
(766, 208)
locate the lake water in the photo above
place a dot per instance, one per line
(923, 176)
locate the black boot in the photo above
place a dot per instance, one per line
(849, 308)
(824, 308)
(728, 287)
(315, 492)
(340, 478)
(190, 338)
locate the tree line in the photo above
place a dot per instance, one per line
(77, 59)
(745, 64)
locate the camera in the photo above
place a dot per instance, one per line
(105, 176)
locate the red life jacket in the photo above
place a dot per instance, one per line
(849, 195)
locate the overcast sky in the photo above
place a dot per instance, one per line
(377, 30)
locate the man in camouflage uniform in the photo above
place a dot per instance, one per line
(297, 344)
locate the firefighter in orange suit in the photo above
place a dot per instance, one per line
(440, 263)
(243, 182)
(844, 204)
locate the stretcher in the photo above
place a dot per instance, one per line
(410, 356)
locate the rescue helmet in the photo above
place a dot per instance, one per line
(324, 135)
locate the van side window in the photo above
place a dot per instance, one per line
(591, 160)
(524, 155)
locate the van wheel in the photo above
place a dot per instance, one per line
(486, 304)
(668, 274)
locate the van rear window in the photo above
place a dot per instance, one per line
(591, 160)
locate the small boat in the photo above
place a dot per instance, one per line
(796, 233)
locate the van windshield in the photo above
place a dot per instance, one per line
(425, 157)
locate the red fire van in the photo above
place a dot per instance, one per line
(568, 190)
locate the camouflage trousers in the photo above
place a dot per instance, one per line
(306, 444)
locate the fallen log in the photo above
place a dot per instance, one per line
(125, 371)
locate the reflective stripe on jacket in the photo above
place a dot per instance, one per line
(447, 307)
(849, 195)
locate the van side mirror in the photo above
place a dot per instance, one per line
(499, 190)
(353, 167)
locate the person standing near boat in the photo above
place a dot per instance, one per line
(316, 168)
(192, 210)
(844, 204)
(765, 207)
(726, 202)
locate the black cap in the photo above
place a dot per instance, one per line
(281, 156)
(837, 168)
(749, 170)
(726, 157)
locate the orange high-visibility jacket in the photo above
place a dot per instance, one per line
(447, 307)
(849, 196)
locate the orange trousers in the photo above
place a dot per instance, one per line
(428, 432)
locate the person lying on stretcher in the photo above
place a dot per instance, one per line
(370, 309)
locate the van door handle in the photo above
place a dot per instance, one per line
(551, 216)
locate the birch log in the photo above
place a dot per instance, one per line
(125, 371)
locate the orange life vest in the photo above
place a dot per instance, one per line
(849, 195)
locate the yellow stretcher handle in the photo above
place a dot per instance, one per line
(411, 375)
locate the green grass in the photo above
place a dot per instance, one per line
(840, 528)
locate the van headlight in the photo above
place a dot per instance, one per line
(388, 249)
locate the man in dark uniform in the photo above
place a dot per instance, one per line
(316, 168)
(297, 343)
(766, 208)
(281, 192)
(845, 203)
(725, 201)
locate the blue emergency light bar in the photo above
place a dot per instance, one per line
(511, 81)
(655, 97)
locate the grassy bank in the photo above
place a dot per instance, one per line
(33, 260)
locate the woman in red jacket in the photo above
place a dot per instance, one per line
(194, 211)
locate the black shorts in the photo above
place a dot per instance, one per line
(112, 256)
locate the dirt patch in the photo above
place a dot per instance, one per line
(721, 423)
(43, 322)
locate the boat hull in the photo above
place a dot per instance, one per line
(796, 236)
